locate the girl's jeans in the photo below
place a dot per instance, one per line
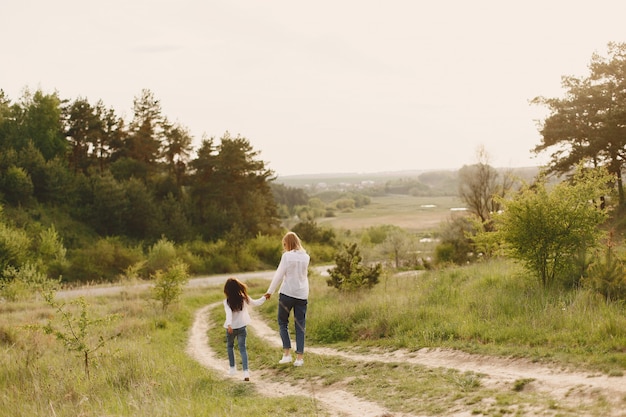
(285, 305)
(240, 335)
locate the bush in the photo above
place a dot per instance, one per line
(350, 273)
(160, 256)
(168, 285)
(104, 261)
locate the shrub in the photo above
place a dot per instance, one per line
(104, 261)
(350, 273)
(160, 256)
(168, 284)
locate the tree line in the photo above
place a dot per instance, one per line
(141, 179)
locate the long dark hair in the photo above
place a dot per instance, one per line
(236, 293)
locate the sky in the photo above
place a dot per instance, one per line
(327, 86)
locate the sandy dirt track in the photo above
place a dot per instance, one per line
(569, 388)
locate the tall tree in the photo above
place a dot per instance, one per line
(38, 119)
(145, 137)
(589, 123)
(177, 149)
(230, 188)
(81, 124)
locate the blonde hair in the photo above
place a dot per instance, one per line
(291, 241)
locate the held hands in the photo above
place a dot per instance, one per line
(267, 296)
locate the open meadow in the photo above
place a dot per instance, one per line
(478, 340)
(420, 215)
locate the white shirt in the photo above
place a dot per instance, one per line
(292, 273)
(239, 319)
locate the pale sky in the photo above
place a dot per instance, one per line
(326, 86)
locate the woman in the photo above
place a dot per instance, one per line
(292, 275)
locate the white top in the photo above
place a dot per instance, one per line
(239, 319)
(292, 272)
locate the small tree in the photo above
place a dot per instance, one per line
(168, 284)
(350, 273)
(481, 186)
(76, 328)
(397, 246)
(547, 229)
(608, 276)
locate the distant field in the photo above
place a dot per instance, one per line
(414, 214)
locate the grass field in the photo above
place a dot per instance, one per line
(414, 214)
(144, 371)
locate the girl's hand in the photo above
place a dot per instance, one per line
(230, 330)
(267, 296)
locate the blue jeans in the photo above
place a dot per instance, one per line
(239, 334)
(285, 305)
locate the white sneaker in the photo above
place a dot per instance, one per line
(298, 362)
(246, 375)
(285, 359)
(232, 371)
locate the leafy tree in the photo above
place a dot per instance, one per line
(397, 245)
(456, 243)
(38, 119)
(547, 229)
(589, 123)
(16, 186)
(24, 282)
(349, 272)
(14, 247)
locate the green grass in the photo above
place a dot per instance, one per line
(143, 372)
(491, 308)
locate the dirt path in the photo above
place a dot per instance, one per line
(571, 388)
(338, 402)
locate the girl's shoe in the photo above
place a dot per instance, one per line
(298, 362)
(246, 375)
(232, 371)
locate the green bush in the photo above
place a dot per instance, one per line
(160, 256)
(104, 261)
(350, 273)
(168, 284)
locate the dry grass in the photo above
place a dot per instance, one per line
(414, 214)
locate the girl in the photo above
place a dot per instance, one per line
(237, 318)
